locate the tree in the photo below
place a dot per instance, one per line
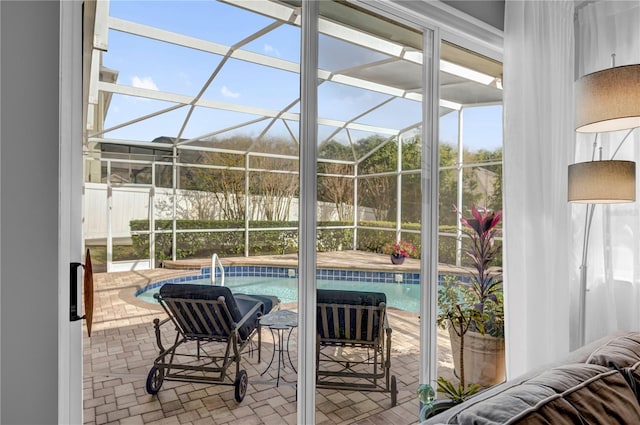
(223, 190)
(448, 190)
(378, 191)
(489, 163)
(471, 176)
(337, 190)
(411, 195)
(332, 186)
(272, 193)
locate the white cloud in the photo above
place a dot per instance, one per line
(228, 93)
(269, 49)
(143, 83)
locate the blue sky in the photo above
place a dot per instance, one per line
(159, 66)
(482, 127)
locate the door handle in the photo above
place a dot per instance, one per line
(73, 316)
(87, 292)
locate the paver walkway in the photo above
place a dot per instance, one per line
(122, 348)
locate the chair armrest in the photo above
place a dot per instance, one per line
(248, 315)
(162, 322)
(156, 325)
(387, 343)
(387, 329)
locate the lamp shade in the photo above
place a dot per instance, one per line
(602, 182)
(608, 100)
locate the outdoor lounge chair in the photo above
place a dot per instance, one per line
(213, 318)
(354, 342)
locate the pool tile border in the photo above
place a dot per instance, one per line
(292, 272)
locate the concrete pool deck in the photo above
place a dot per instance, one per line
(355, 260)
(122, 348)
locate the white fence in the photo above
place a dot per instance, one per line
(104, 214)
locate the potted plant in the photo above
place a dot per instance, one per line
(429, 406)
(399, 251)
(473, 311)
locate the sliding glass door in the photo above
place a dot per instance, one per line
(374, 152)
(308, 132)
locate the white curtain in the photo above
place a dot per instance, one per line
(538, 146)
(613, 266)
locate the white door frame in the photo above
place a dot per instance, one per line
(70, 334)
(69, 210)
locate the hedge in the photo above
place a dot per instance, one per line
(232, 243)
(272, 242)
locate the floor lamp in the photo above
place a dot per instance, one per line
(597, 182)
(607, 100)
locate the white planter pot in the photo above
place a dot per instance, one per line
(483, 358)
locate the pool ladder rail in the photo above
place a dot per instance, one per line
(215, 262)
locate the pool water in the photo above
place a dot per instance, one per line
(400, 295)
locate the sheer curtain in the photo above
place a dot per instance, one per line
(613, 273)
(538, 146)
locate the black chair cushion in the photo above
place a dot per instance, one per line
(351, 298)
(337, 296)
(238, 306)
(268, 301)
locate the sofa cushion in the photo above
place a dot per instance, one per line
(632, 375)
(604, 399)
(620, 352)
(575, 393)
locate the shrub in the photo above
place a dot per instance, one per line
(202, 244)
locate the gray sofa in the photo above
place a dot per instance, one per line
(596, 384)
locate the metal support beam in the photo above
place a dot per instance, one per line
(460, 168)
(109, 219)
(174, 168)
(429, 215)
(308, 214)
(247, 194)
(399, 190)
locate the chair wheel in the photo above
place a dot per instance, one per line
(394, 391)
(241, 383)
(154, 380)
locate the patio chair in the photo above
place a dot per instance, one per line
(221, 325)
(353, 349)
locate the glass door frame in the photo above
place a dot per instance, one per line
(482, 39)
(308, 200)
(422, 16)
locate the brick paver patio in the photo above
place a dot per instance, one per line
(121, 350)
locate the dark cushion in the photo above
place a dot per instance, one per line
(620, 352)
(268, 301)
(350, 298)
(604, 399)
(570, 394)
(238, 307)
(337, 296)
(632, 375)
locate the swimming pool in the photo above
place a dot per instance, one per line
(402, 289)
(404, 296)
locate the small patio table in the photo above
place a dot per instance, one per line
(278, 322)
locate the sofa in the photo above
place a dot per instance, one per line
(596, 384)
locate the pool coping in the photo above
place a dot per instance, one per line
(292, 273)
(384, 277)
